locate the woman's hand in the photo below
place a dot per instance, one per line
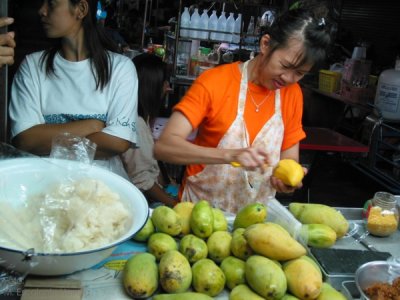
(280, 187)
(250, 159)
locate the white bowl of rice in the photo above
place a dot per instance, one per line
(59, 216)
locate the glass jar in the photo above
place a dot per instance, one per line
(383, 215)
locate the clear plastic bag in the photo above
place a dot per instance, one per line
(279, 214)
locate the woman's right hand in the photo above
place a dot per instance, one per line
(251, 158)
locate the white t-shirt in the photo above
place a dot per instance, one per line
(71, 95)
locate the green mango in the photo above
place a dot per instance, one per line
(193, 248)
(234, 270)
(166, 220)
(159, 243)
(140, 275)
(289, 297)
(202, 219)
(318, 235)
(175, 272)
(220, 222)
(265, 277)
(182, 296)
(243, 292)
(208, 278)
(250, 214)
(239, 246)
(143, 234)
(328, 292)
(219, 245)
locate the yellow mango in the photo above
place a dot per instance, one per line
(304, 280)
(175, 272)
(159, 243)
(313, 213)
(182, 296)
(184, 210)
(273, 241)
(239, 246)
(140, 275)
(208, 278)
(193, 248)
(220, 222)
(143, 234)
(289, 171)
(219, 245)
(234, 270)
(166, 220)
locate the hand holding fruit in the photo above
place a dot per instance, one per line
(288, 176)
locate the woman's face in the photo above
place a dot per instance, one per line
(279, 69)
(60, 19)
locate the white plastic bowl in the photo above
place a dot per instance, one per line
(21, 177)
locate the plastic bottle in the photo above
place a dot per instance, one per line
(185, 22)
(204, 25)
(195, 24)
(237, 29)
(230, 28)
(387, 97)
(221, 26)
(250, 30)
(213, 25)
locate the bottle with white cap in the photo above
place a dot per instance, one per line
(204, 19)
(213, 25)
(185, 22)
(237, 29)
(195, 24)
(221, 26)
(230, 28)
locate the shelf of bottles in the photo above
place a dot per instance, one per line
(191, 59)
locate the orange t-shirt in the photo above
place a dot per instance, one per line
(211, 105)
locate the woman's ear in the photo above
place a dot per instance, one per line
(264, 43)
(82, 9)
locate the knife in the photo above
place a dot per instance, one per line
(360, 238)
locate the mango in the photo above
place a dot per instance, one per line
(184, 210)
(175, 272)
(234, 270)
(182, 296)
(239, 246)
(143, 234)
(166, 220)
(303, 279)
(219, 245)
(159, 243)
(289, 171)
(250, 214)
(202, 219)
(318, 235)
(140, 275)
(243, 292)
(265, 277)
(208, 278)
(220, 222)
(328, 292)
(273, 241)
(289, 297)
(193, 248)
(313, 213)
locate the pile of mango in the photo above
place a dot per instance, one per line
(193, 253)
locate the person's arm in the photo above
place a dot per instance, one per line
(37, 139)
(7, 43)
(108, 145)
(173, 147)
(156, 193)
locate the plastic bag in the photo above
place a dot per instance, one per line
(279, 214)
(73, 147)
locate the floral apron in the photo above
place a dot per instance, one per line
(230, 188)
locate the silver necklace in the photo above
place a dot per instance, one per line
(259, 104)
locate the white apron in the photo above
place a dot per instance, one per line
(230, 188)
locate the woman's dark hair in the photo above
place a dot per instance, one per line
(307, 23)
(96, 42)
(152, 74)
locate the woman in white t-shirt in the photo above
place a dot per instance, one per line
(140, 164)
(80, 85)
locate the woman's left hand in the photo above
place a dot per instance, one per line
(280, 187)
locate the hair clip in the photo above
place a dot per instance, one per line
(321, 23)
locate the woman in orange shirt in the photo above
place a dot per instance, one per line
(248, 113)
